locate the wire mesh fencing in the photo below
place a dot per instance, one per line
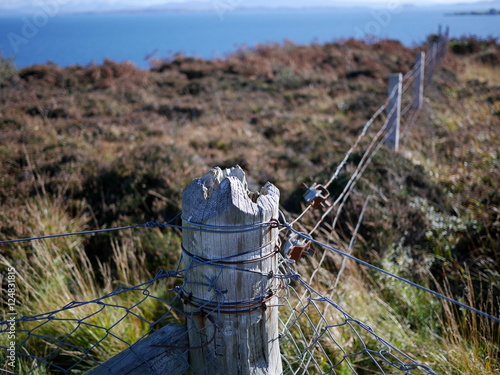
(316, 336)
(81, 334)
(319, 337)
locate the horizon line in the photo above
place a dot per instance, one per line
(211, 6)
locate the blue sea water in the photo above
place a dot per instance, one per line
(85, 38)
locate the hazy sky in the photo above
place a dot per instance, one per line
(127, 3)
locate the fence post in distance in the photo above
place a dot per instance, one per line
(446, 38)
(439, 44)
(418, 88)
(229, 256)
(394, 111)
(432, 61)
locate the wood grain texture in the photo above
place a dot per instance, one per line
(247, 342)
(143, 358)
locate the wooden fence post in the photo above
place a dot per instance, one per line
(439, 44)
(432, 61)
(418, 85)
(394, 111)
(444, 44)
(229, 257)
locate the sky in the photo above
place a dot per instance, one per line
(236, 3)
(77, 6)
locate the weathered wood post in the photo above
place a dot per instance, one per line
(432, 61)
(154, 354)
(394, 111)
(418, 85)
(229, 257)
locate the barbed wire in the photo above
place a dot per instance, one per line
(408, 79)
(368, 155)
(347, 155)
(309, 238)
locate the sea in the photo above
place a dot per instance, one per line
(83, 39)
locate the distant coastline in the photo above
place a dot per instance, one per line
(491, 12)
(80, 39)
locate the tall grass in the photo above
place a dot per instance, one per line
(52, 273)
(433, 332)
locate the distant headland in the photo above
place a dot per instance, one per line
(491, 12)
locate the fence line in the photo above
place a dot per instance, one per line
(311, 326)
(321, 335)
(149, 224)
(309, 238)
(413, 112)
(295, 355)
(392, 94)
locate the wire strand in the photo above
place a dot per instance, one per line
(155, 224)
(309, 238)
